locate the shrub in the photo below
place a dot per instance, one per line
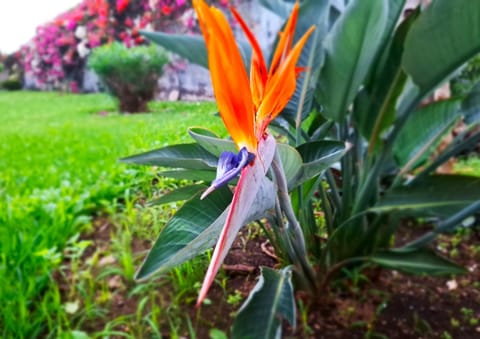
(11, 84)
(130, 74)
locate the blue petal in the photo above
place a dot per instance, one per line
(230, 165)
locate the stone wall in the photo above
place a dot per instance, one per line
(186, 81)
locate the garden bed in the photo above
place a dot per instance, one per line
(374, 303)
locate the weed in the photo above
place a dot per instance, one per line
(235, 299)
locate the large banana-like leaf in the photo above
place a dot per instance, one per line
(189, 156)
(196, 227)
(269, 302)
(312, 12)
(246, 190)
(351, 47)
(190, 47)
(182, 229)
(188, 174)
(291, 161)
(375, 107)
(423, 130)
(211, 142)
(180, 194)
(416, 261)
(444, 37)
(279, 7)
(317, 157)
(471, 106)
(436, 195)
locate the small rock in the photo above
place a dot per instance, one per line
(71, 307)
(452, 285)
(174, 95)
(108, 260)
(115, 282)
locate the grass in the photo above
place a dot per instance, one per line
(58, 169)
(469, 166)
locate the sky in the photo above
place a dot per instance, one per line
(20, 18)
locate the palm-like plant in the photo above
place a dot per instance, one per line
(359, 139)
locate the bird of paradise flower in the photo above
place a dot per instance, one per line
(247, 105)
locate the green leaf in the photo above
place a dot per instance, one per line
(351, 48)
(311, 12)
(375, 107)
(317, 157)
(215, 333)
(197, 226)
(211, 142)
(270, 301)
(197, 175)
(416, 261)
(436, 195)
(356, 238)
(190, 156)
(291, 161)
(188, 223)
(423, 130)
(444, 37)
(395, 10)
(182, 193)
(190, 47)
(471, 106)
(279, 7)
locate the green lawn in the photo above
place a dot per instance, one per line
(58, 169)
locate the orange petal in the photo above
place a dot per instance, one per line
(229, 77)
(285, 42)
(258, 68)
(281, 85)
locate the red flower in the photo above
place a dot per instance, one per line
(167, 10)
(122, 5)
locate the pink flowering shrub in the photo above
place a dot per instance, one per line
(56, 57)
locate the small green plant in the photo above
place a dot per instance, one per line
(130, 74)
(235, 298)
(11, 84)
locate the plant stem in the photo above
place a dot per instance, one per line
(333, 187)
(399, 78)
(327, 209)
(369, 186)
(335, 268)
(285, 202)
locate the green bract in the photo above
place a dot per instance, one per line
(360, 142)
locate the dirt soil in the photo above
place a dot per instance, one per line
(381, 304)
